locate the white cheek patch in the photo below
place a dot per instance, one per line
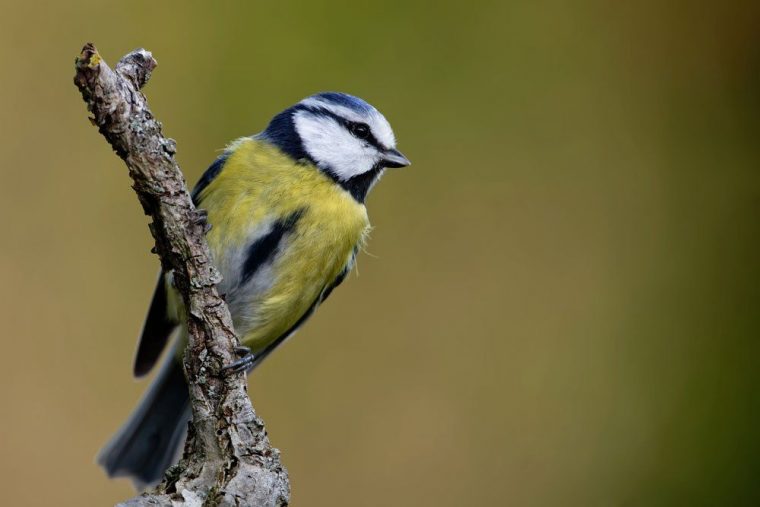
(333, 147)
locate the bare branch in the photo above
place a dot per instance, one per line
(228, 459)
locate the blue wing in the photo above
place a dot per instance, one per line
(211, 173)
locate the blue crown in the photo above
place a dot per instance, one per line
(345, 100)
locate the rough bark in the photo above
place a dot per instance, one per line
(228, 459)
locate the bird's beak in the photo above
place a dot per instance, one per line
(394, 158)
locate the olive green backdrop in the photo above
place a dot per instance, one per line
(560, 300)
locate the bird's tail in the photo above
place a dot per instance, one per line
(149, 441)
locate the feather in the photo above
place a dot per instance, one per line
(156, 331)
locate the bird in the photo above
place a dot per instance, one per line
(286, 219)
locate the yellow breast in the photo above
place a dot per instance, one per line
(257, 184)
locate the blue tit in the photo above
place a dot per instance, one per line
(287, 215)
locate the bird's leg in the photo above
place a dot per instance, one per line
(201, 218)
(244, 363)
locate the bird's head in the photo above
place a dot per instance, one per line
(341, 134)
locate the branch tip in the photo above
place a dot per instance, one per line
(89, 57)
(137, 67)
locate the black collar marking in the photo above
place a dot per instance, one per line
(282, 133)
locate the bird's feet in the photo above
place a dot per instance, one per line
(244, 363)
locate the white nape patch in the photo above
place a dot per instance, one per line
(333, 147)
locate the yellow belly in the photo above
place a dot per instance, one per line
(259, 183)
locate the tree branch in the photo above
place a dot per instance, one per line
(228, 459)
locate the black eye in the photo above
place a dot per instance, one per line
(360, 130)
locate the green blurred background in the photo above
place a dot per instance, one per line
(561, 302)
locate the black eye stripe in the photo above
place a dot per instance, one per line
(371, 139)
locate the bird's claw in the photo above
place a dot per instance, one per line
(244, 363)
(242, 350)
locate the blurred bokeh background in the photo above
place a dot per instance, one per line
(562, 301)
